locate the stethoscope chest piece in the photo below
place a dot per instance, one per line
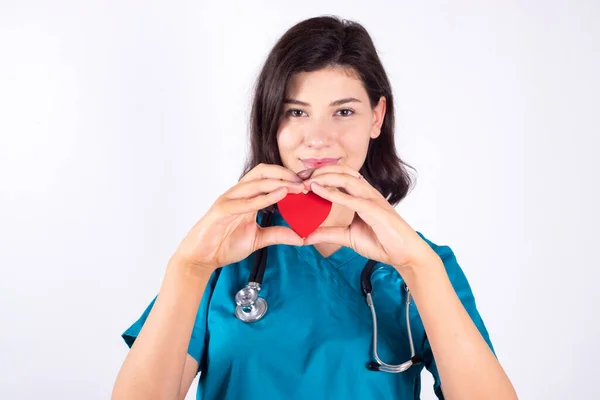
(249, 306)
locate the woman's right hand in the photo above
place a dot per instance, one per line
(228, 232)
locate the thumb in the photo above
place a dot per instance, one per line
(277, 235)
(329, 234)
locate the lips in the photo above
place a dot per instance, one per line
(318, 162)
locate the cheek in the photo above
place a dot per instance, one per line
(355, 140)
(356, 146)
(287, 140)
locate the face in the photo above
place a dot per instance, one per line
(327, 117)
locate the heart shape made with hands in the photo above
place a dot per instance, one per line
(304, 212)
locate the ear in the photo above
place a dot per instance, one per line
(378, 116)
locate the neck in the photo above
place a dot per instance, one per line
(339, 216)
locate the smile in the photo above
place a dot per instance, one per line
(318, 162)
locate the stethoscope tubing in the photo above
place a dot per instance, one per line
(250, 307)
(260, 262)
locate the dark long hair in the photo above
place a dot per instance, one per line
(310, 45)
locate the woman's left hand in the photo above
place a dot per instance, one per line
(377, 231)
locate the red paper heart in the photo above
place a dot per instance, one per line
(304, 212)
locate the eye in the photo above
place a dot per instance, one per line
(294, 112)
(346, 112)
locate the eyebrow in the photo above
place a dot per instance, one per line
(333, 103)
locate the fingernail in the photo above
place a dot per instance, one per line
(305, 174)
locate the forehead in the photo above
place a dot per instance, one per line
(325, 84)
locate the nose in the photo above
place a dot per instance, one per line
(319, 134)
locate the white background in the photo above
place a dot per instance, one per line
(122, 121)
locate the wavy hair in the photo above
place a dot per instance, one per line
(310, 45)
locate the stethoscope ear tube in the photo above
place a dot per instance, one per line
(379, 365)
(250, 307)
(374, 366)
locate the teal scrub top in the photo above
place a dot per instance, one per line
(316, 338)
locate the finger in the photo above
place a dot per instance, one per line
(252, 204)
(370, 211)
(357, 204)
(255, 187)
(277, 235)
(270, 171)
(351, 184)
(330, 234)
(307, 173)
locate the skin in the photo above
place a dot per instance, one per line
(367, 223)
(158, 366)
(321, 130)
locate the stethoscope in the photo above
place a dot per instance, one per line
(250, 307)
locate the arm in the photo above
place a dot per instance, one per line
(154, 367)
(226, 234)
(467, 366)
(189, 373)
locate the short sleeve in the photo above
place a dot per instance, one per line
(197, 340)
(463, 290)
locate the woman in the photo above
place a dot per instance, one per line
(322, 94)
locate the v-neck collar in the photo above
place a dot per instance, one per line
(340, 257)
